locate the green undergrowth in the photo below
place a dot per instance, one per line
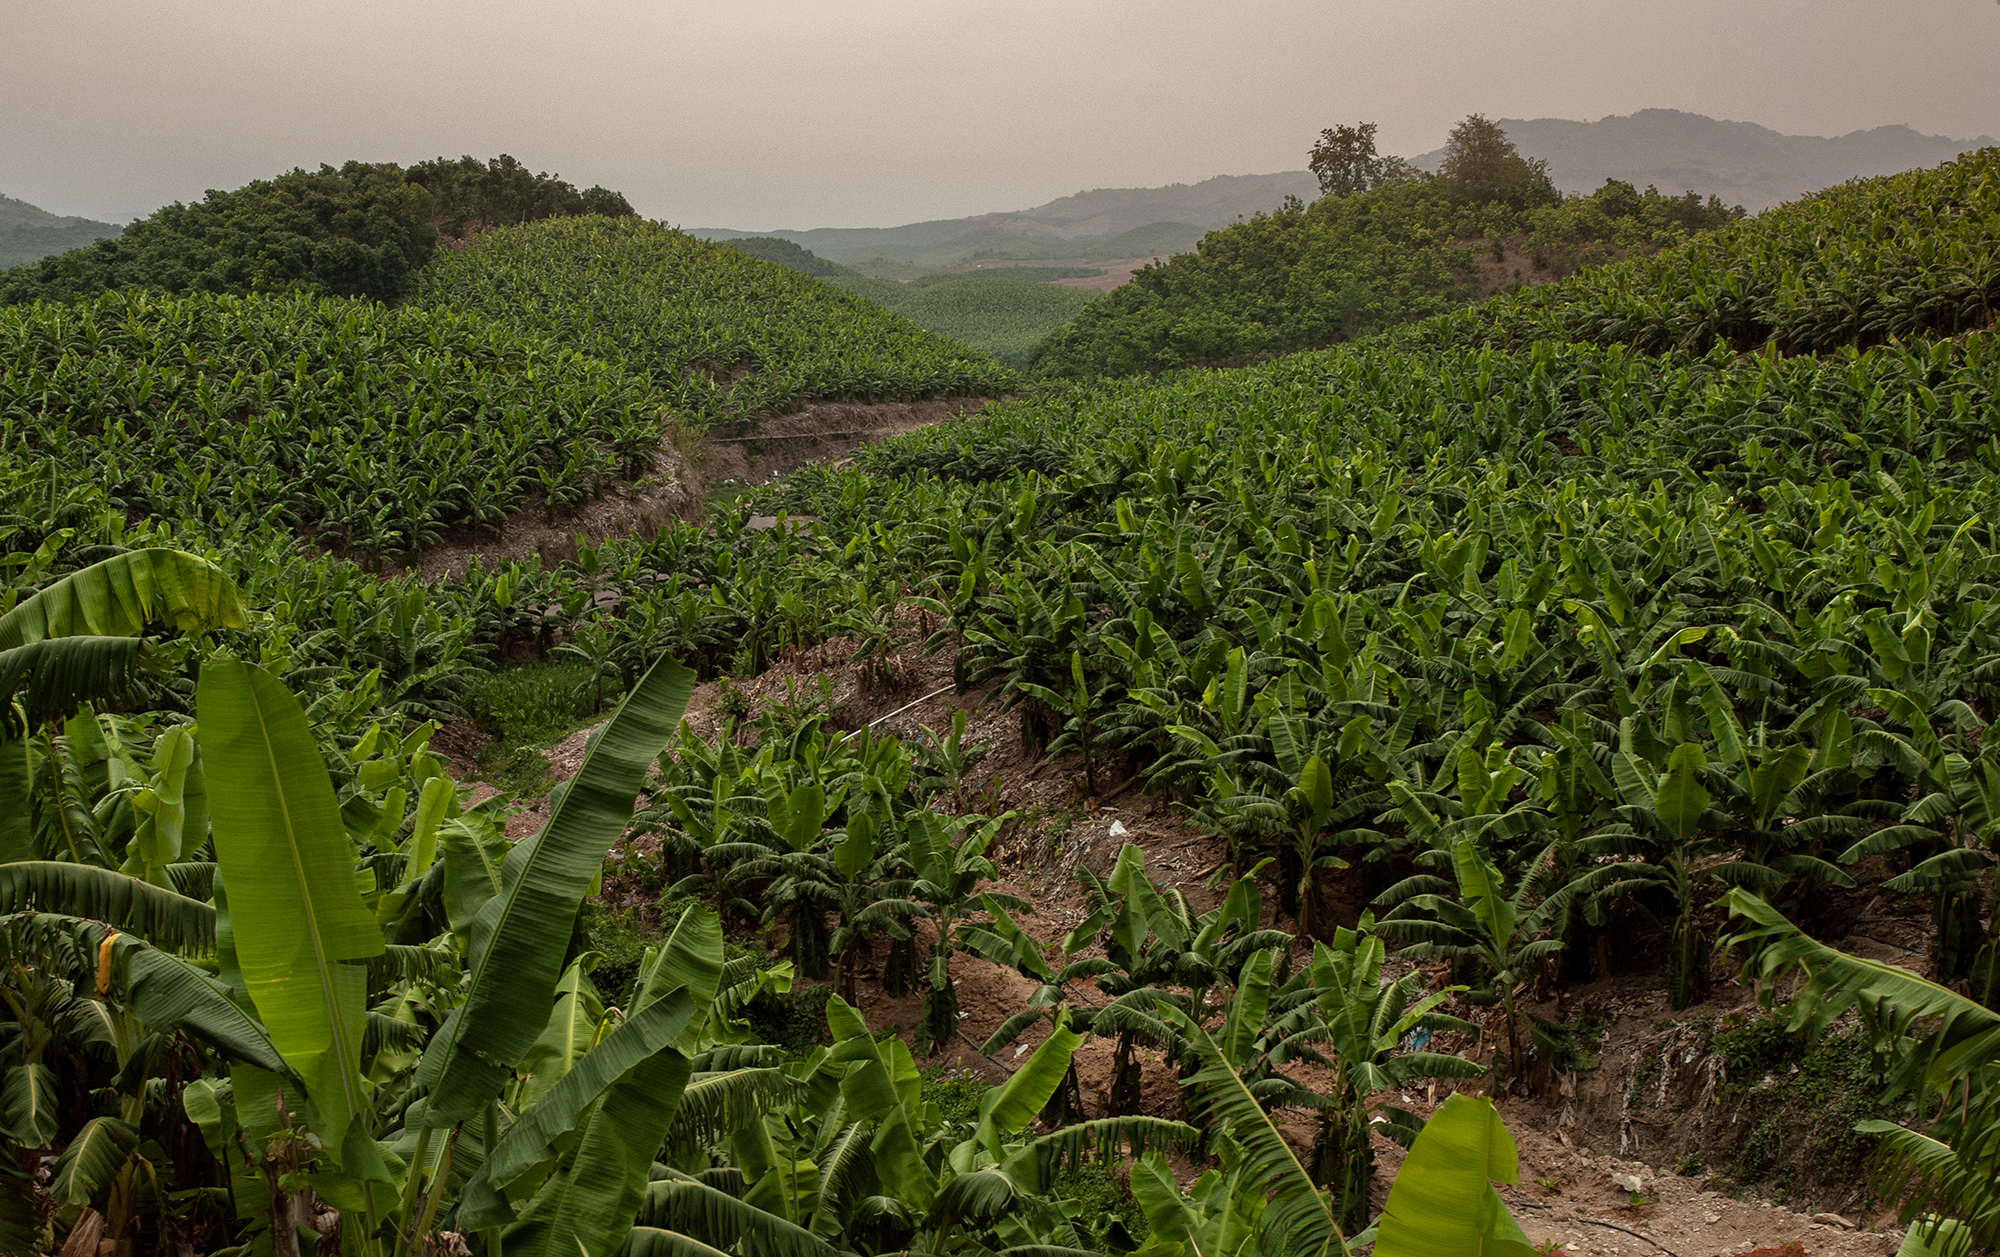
(1794, 1105)
(527, 708)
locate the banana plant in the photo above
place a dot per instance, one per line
(1442, 1203)
(1356, 1024)
(1499, 932)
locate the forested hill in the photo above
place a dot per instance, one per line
(1346, 266)
(363, 229)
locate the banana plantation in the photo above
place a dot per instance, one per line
(1653, 614)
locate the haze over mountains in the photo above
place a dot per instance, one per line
(27, 233)
(1741, 162)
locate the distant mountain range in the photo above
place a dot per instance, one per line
(1100, 225)
(1741, 162)
(28, 233)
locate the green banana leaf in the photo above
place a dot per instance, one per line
(1936, 1237)
(17, 831)
(28, 1102)
(121, 595)
(692, 959)
(883, 1084)
(86, 1167)
(1941, 1035)
(574, 1026)
(296, 916)
(1299, 1218)
(519, 938)
(530, 1140)
(1014, 1103)
(587, 1209)
(1443, 1203)
(160, 916)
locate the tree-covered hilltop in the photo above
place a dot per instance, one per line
(1389, 244)
(361, 230)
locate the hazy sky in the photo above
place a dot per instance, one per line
(786, 113)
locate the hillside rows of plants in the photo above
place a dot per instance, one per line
(1903, 256)
(1387, 245)
(1536, 650)
(714, 331)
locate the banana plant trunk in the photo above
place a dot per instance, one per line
(1343, 1159)
(1125, 1078)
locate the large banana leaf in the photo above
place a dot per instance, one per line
(160, 916)
(1941, 1035)
(574, 1026)
(714, 1218)
(883, 1084)
(1015, 1102)
(121, 595)
(159, 988)
(28, 1102)
(17, 831)
(87, 1164)
(519, 938)
(1443, 1203)
(587, 1209)
(531, 1139)
(296, 917)
(692, 960)
(52, 678)
(1299, 1219)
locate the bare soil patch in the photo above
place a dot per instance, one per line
(755, 450)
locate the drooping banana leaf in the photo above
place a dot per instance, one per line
(159, 988)
(296, 916)
(160, 916)
(587, 1208)
(121, 595)
(1299, 1218)
(28, 1101)
(87, 1164)
(713, 1217)
(1443, 1203)
(17, 831)
(1941, 1035)
(649, 1031)
(519, 938)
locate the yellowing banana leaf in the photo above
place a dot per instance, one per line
(296, 917)
(1443, 1203)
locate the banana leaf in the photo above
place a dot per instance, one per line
(587, 1208)
(519, 939)
(530, 1140)
(160, 916)
(1443, 1203)
(296, 917)
(121, 595)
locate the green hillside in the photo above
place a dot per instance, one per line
(1343, 267)
(1617, 633)
(715, 331)
(28, 234)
